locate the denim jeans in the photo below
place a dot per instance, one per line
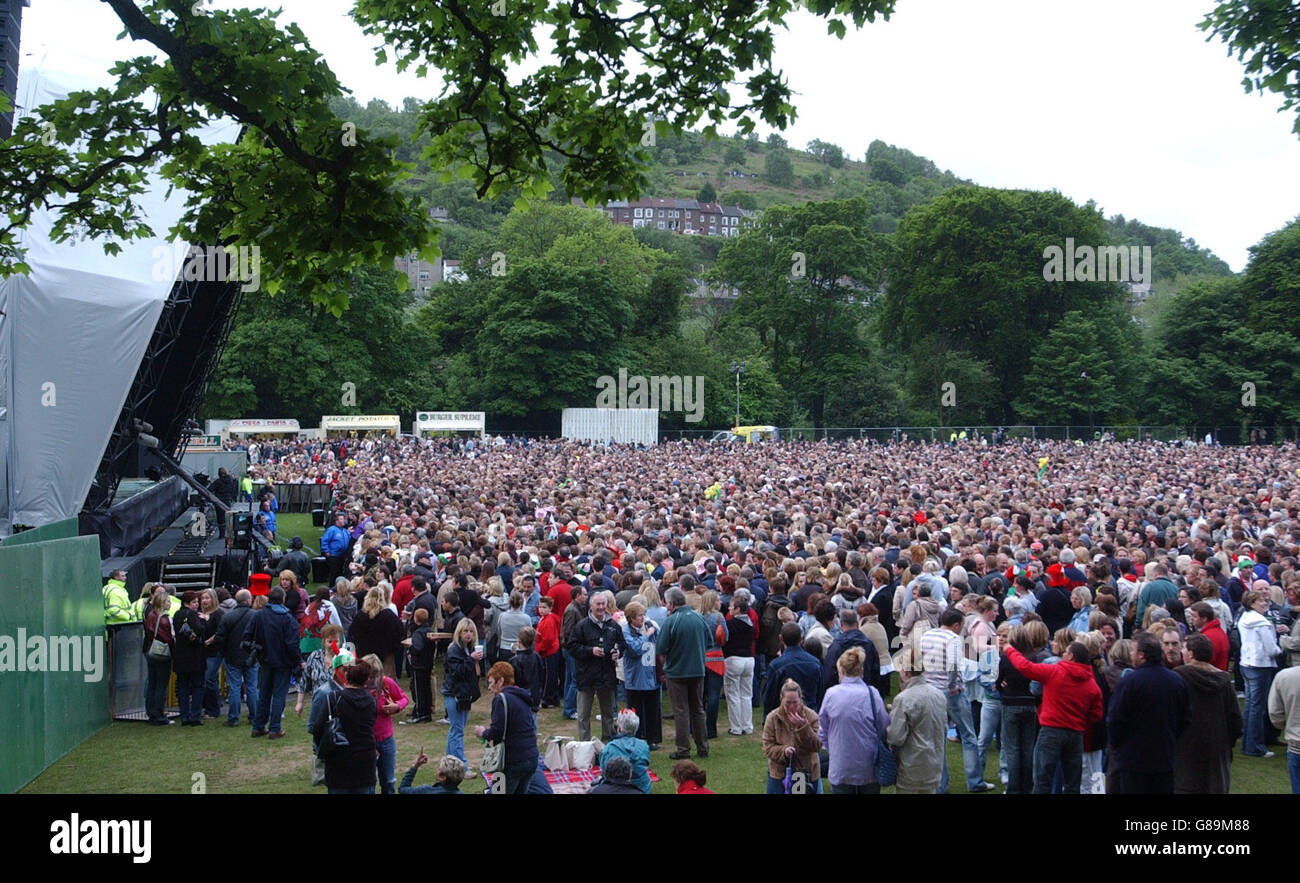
(1019, 733)
(212, 687)
(386, 765)
(1058, 747)
(570, 685)
(236, 679)
(456, 733)
(155, 696)
(960, 714)
(777, 786)
(189, 695)
(1293, 766)
(519, 775)
(712, 700)
(270, 699)
(1258, 681)
(990, 727)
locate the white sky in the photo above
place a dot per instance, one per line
(1117, 101)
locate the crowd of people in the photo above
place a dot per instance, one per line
(1090, 615)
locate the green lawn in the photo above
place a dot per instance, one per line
(136, 758)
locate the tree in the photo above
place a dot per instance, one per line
(1200, 365)
(550, 330)
(1272, 282)
(806, 275)
(778, 168)
(293, 363)
(707, 193)
(317, 193)
(776, 142)
(826, 152)
(734, 155)
(968, 275)
(1268, 31)
(1070, 376)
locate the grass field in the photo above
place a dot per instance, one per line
(130, 757)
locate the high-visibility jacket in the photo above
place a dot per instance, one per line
(246, 485)
(117, 603)
(140, 606)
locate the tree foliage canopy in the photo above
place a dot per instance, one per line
(315, 192)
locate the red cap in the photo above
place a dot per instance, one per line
(919, 517)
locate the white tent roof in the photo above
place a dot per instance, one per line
(71, 341)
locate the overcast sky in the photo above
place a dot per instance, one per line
(1117, 101)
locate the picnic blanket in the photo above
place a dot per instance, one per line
(577, 781)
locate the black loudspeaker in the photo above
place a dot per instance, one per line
(318, 518)
(320, 570)
(241, 530)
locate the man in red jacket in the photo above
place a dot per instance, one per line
(1071, 705)
(1201, 616)
(560, 589)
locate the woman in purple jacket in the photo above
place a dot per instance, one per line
(851, 717)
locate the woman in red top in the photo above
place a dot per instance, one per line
(389, 700)
(689, 778)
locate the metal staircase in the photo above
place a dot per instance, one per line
(186, 567)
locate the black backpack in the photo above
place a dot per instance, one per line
(769, 624)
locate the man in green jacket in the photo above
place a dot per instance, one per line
(1157, 592)
(682, 642)
(117, 603)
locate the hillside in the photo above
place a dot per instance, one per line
(755, 174)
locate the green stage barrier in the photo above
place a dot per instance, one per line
(53, 656)
(58, 530)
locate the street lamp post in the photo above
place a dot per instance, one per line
(1087, 390)
(737, 368)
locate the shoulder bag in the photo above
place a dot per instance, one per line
(158, 650)
(334, 740)
(494, 753)
(886, 760)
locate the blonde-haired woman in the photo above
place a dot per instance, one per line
(715, 664)
(655, 611)
(158, 627)
(496, 604)
(460, 688)
(851, 718)
(377, 630)
(295, 598)
(389, 700)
